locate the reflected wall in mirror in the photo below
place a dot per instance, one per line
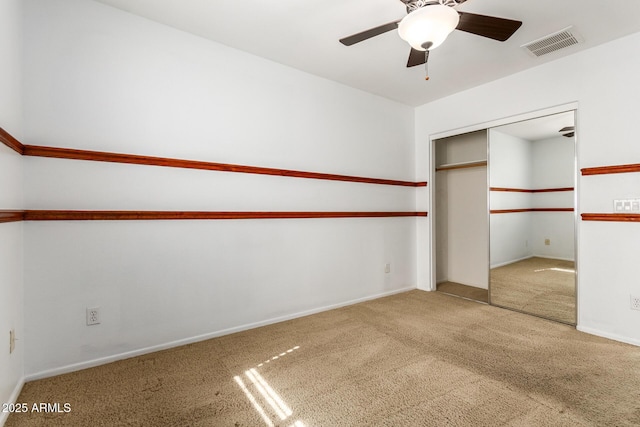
(532, 220)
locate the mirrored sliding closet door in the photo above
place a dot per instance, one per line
(532, 219)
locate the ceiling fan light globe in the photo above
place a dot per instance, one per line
(429, 24)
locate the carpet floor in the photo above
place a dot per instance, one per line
(411, 359)
(464, 291)
(541, 286)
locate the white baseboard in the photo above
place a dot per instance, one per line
(527, 257)
(608, 335)
(500, 264)
(139, 352)
(12, 399)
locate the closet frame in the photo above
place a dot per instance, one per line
(563, 108)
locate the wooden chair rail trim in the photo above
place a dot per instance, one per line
(617, 217)
(11, 142)
(90, 215)
(504, 211)
(538, 190)
(602, 170)
(11, 215)
(99, 156)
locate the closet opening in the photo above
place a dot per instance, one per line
(460, 203)
(504, 215)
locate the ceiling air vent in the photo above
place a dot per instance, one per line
(552, 42)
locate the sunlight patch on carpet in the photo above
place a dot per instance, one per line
(267, 394)
(253, 401)
(284, 353)
(562, 270)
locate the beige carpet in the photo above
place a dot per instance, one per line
(464, 291)
(412, 359)
(541, 286)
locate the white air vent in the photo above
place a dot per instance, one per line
(552, 42)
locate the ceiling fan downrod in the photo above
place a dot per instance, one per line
(413, 5)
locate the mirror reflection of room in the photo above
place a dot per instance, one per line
(532, 175)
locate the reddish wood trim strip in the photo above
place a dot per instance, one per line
(551, 190)
(98, 156)
(552, 209)
(522, 190)
(502, 211)
(82, 215)
(511, 190)
(611, 217)
(11, 142)
(462, 166)
(602, 170)
(11, 216)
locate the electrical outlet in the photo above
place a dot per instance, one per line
(93, 316)
(635, 302)
(12, 341)
(387, 268)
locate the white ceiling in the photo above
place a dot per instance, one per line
(304, 34)
(539, 128)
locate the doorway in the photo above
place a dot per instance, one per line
(504, 214)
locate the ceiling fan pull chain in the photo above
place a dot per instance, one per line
(426, 70)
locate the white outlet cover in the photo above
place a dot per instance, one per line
(93, 316)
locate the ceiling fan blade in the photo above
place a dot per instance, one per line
(569, 135)
(488, 26)
(567, 128)
(371, 32)
(417, 57)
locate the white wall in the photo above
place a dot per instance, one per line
(510, 167)
(100, 79)
(511, 161)
(606, 134)
(519, 163)
(11, 197)
(554, 167)
(553, 160)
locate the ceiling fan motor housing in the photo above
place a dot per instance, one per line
(427, 27)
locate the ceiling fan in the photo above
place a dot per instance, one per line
(568, 131)
(429, 22)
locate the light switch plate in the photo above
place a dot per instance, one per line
(626, 205)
